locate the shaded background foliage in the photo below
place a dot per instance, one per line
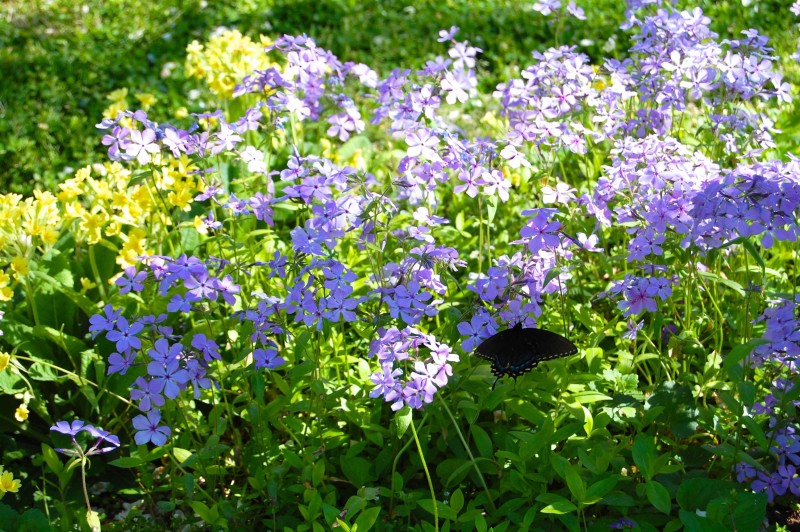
(60, 59)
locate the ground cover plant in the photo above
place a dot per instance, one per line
(266, 315)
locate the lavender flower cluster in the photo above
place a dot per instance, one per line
(664, 192)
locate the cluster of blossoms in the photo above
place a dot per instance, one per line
(663, 191)
(782, 349)
(187, 284)
(225, 59)
(28, 228)
(410, 348)
(105, 441)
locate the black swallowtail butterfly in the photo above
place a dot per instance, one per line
(516, 351)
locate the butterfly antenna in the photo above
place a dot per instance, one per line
(495, 383)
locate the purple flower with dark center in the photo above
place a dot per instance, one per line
(106, 441)
(116, 141)
(228, 289)
(202, 285)
(99, 323)
(148, 393)
(180, 303)
(267, 358)
(121, 363)
(131, 280)
(170, 378)
(540, 232)
(633, 330)
(206, 346)
(125, 335)
(150, 430)
(163, 353)
(772, 484)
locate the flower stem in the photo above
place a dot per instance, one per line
(428, 476)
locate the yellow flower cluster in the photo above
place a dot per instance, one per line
(107, 205)
(8, 483)
(27, 225)
(225, 59)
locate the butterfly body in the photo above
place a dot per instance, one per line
(516, 351)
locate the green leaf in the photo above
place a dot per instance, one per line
(491, 207)
(482, 441)
(602, 487)
(658, 496)
(403, 420)
(755, 431)
(575, 483)
(457, 500)
(93, 520)
(556, 504)
(644, 454)
(445, 512)
(367, 518)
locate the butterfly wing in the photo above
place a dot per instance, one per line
(516, 351)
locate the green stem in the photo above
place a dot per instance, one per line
(96, 271)
(469, 452)
(428, 476)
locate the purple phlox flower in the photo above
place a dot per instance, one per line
(463, 55)
(546, 7)
(478, 329)
(121, 363)
(589, 243)
(148, 393)
(637, 298)
(106, 441)
(228, 289)
(277, 265)
(576, 11)
(226, 139)
(384, 380)
(313, 311)
(131, 280)
(197, 376)
(179, 303)
(163, 353)
(175, 140)
(206, 346)
(745, 472)
(423, 216)
(202, 285)
(99, 323)
(494, 182)
(141, 145)
(622, 523)
(116, 141)
(70, 429)
(149, 429)
(169, 377)
(470, 180)
(423, 142)
(562, 193)
(446, 35)
(633, 329)
(210, 192)
(459, 85)
(267, 358)
(340, 308)
(540, 232)
(773, 484)
(125, 335)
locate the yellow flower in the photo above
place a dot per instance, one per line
(146, 99)
(20, 266)
(8, 483)
(87, 284)
(118, 95)
(21, 414)
(200, 226)
(181, 112)
(91, 224)
(5, 358)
